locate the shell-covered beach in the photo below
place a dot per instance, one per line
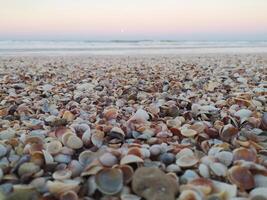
(133, 127)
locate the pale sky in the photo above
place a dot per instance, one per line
(134, 19)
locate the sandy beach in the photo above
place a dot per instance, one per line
(133, 127)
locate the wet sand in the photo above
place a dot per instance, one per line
(133, 127)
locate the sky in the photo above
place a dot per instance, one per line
(133, 19)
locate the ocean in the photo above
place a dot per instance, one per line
(122, 47)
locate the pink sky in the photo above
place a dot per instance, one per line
(139, 19)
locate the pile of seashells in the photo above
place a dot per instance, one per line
(117, 128)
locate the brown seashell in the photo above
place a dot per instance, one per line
(135, 151)
(228, 132)
(203, 184)
(98, 138)
(68, 116)
(242, 177)
(69, 195)
(109, 181)
(190, 195)
(263, 125)
(110, 113)
(244, 154)
(128, 172)
(37, 158)
(152, 184)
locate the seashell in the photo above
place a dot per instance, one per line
(47, 157)
(264, 121)
(109, 181)
(54, 147)
(68, 116)
(151, 183)
(92, 169)
(258, 193)
(75, 167)
(135, 151)
(173, 123)
(187, 161)
(204, 170)
(225, 157)
(3, 150)
(190, 195)
(37, 158)
(86, 157)
(155, 150)
(183, 152)
(74, 142)
(202, 184)
(140, 115)
(228, 132)
(108, 159)
(61, 131)
(91, 185)
(218, 169)
(188, 132)
(167, 158)
(28, 168)
(1, 174)
(62, 174)
(129, 197)
(57, 187)
(244, 154)
(188, 175)
(68, 195)
(116, 132)
(260, 180)
(128, 159)
(242, 177)
(98, 138)
(229, 191)
(127, 173)
(110, 113)
(62, 158)
(243, 114)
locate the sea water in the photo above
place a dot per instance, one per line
(123, 47)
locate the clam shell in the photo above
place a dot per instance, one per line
(258, 193)
(86, 157)
(62, 174)
(75, 167)
(202, 184)
(190, 195)
(128, 159)
(108, 159)
(152, 183)
(28, 168)
(187, 161)
(242, 177)
(74, 142)
(218, 169)
(98, 138)
(109, 181)
(229, 190)
(69, 195)
(244, 154)
(58, 187)
(111, 113)
(54, 147)
(188, 132)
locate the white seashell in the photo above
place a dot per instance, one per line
(218, 169)
(260, 193)
(225, 157)
(204, 170)
(229, 190)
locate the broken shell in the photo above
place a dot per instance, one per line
(128, 159)
(152, 184)
(242, 177)
(109, 181)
